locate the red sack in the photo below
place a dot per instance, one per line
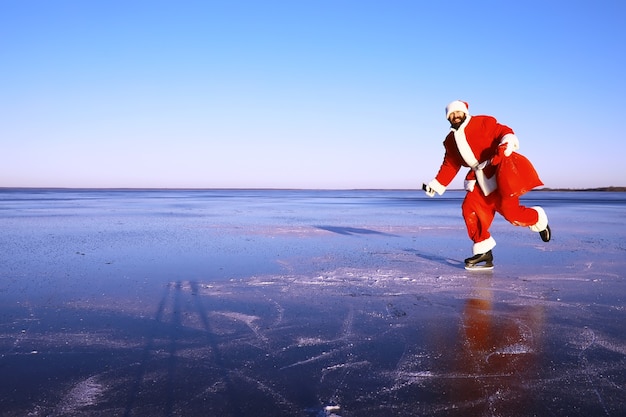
(516, 175)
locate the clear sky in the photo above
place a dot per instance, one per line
(302, 93)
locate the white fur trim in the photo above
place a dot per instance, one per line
(469, 185)
(488, 185)
(437, 186)
(484, 246)
(456, 105)
(542, 223)
(512, 143)
(464, 148)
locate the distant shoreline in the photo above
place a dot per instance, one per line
(612, 189)
(598, 189)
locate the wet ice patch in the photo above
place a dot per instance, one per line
(516, 349)
(309, 341)
(245, 318)
(83, 394)
(589, 338)
(329, 410)
(249, 320)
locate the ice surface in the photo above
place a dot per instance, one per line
(306, 303)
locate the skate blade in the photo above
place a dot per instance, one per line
(479, 267)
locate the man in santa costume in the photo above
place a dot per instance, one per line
(497, 177)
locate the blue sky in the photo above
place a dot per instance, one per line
(302, 93)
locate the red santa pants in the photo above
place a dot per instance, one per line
(479, 211)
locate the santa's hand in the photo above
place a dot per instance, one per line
(429, 191)
(511, 144)
(433, 187)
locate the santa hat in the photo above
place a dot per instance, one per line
(457, 105)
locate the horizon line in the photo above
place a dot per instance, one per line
(3, 188)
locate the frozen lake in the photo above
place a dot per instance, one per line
(306, 303)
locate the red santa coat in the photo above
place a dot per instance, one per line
(474, 142)
(478, 140)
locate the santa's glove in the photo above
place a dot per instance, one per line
(511, 144)
(433, 187)
(429, 191)
(508, 145)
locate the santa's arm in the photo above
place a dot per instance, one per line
(448, 170)
(508, 139)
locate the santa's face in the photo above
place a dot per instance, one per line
(456, 119)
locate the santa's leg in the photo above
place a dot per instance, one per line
(535, 218)
(542, 225)
(478, 213)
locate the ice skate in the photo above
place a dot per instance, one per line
(546, 234)
(473, 262)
